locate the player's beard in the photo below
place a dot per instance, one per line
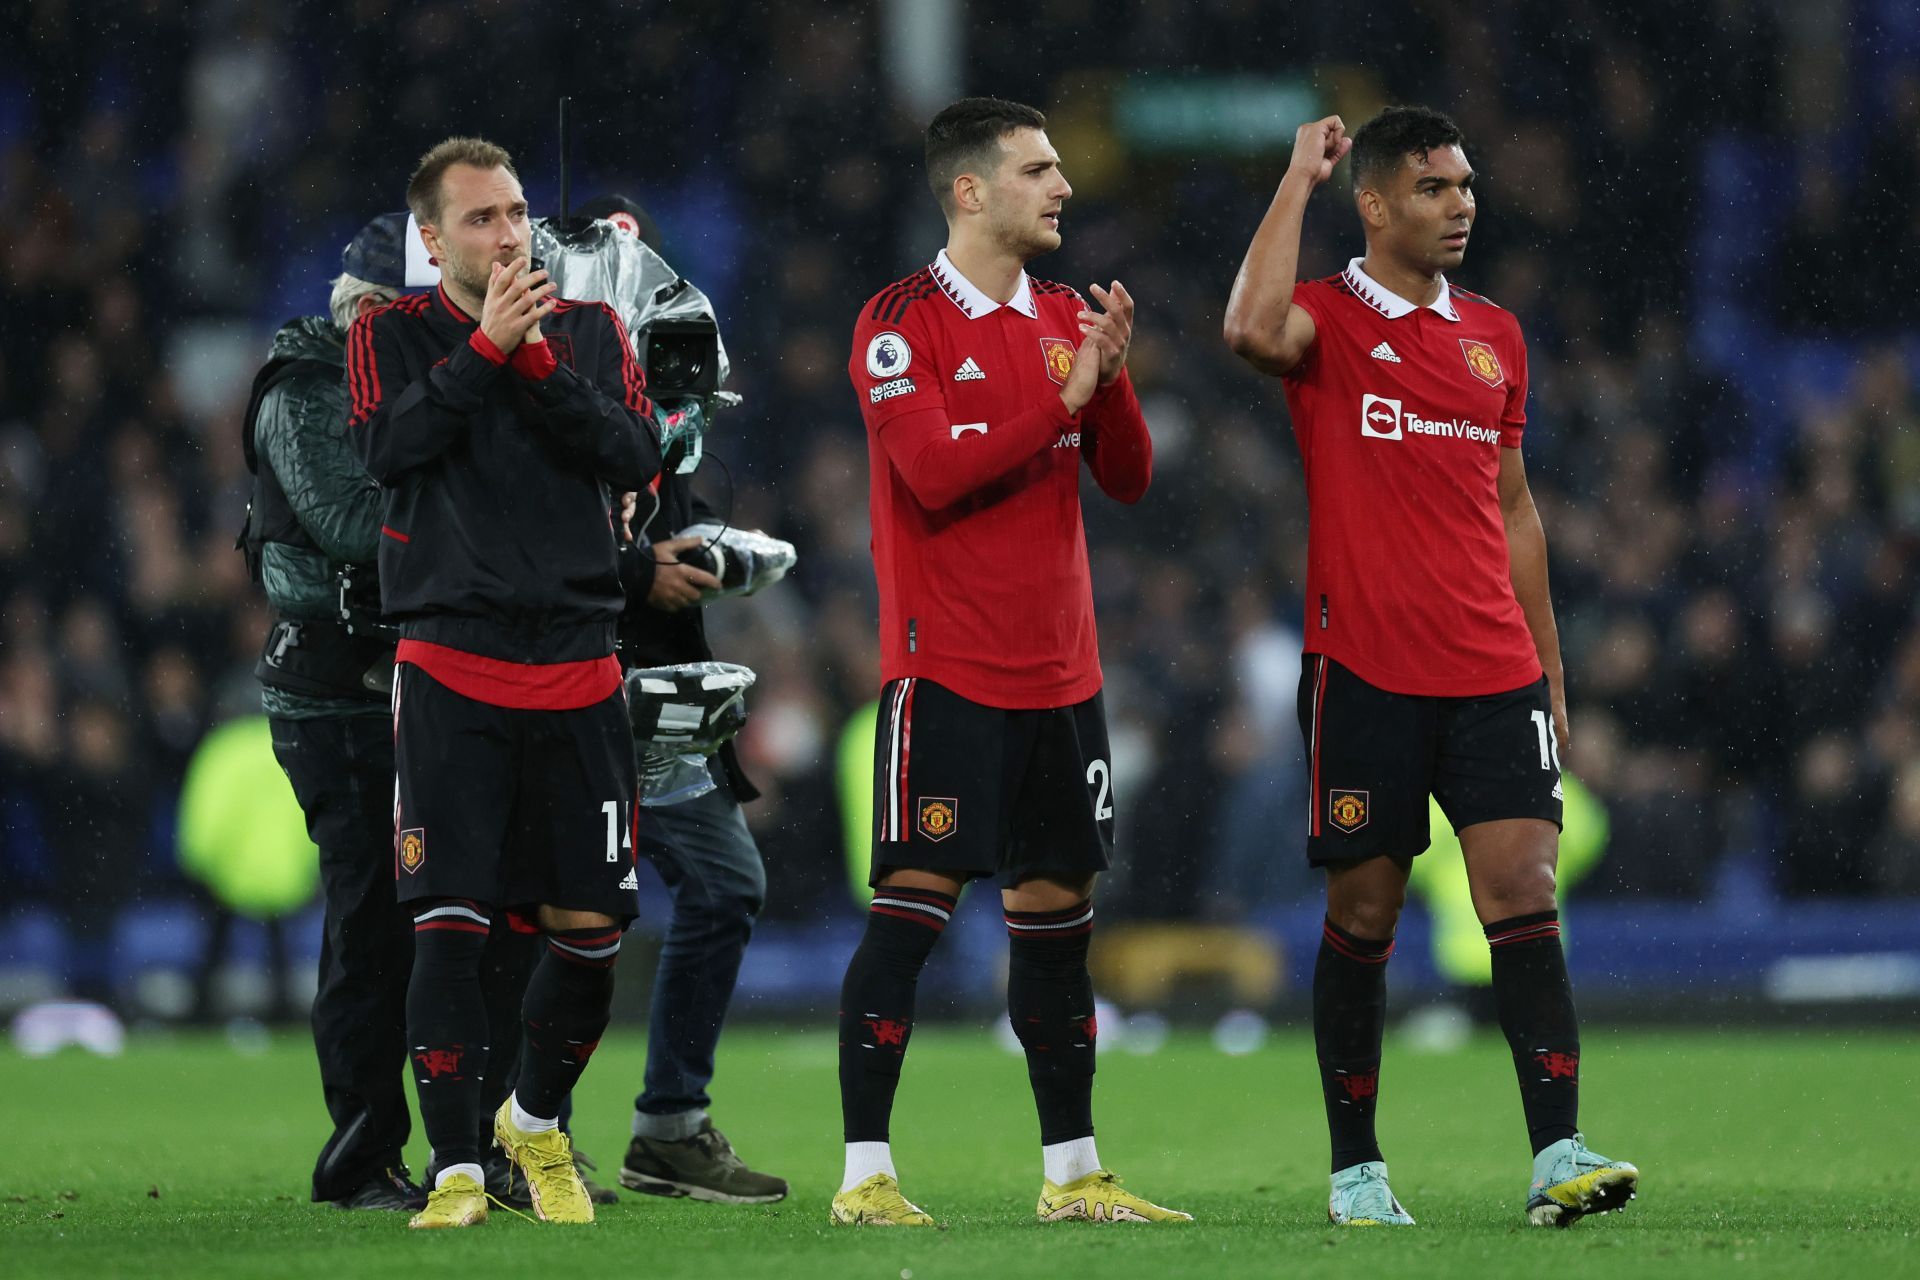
(472, 276)
(1024, 239)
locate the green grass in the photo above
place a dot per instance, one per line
(1763, 1154)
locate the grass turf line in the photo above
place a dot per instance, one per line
(1764, 1154)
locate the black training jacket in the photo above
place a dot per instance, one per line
(498, 537)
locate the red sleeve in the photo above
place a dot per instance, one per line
(1118, 449)
(905, 408)
(1311, 297)
(480, 342)
(533, 360)
(1513, 421)
(892, 367)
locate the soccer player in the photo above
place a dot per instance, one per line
(1432, 659)
(499, 421)
(984, 390)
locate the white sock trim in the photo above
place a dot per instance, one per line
(864, 1159)
(473, 1171)
(528, 1123)
(1069, 1161)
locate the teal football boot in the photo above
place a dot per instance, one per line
(1570, 1182)
(1361, 1198)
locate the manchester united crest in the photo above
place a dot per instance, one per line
(1347, 810)
(1481, 362)
(413, 849)
(939, 816)
(1058, 353)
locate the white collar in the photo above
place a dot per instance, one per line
(1390, 304)
(962, 293)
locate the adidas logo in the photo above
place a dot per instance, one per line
(633, 879)
(969, 372)
(1558, 794)
(1385, 352)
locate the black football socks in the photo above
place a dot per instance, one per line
(876, 1003)
(1050, 1002)
(447, 1027)
(1535, 1002)
(506, 967)
(569, 1002)
(1349, 1021)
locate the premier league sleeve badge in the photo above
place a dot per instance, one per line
(888, 355)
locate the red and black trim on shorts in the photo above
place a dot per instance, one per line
(896, 728)
(1313, 741)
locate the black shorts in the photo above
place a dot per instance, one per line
(971, 790)
(510, 807)
(1374, 757)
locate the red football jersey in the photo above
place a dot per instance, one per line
(974, 480)
(1401, 413)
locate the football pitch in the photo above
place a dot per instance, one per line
(1764, 1153)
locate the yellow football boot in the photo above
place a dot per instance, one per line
(877, 1202)
(1098, 1197)
(545, 1160)
(459, 1202)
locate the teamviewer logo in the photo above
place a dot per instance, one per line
(1380, 418)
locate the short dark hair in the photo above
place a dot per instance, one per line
(965, 138)
(1396, 133)
(424, 197)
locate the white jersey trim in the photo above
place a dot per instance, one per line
(1390, 304)
(973, 304)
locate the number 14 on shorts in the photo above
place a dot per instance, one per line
(619, 833)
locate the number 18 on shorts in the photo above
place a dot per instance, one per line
(1373, 758)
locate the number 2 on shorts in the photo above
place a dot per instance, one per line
(1098, 775)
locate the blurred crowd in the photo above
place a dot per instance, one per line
(1735, 575)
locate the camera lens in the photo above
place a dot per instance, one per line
(674, 364)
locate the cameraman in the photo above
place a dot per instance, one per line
(712, 869)
(700, 846)
(315, 512)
